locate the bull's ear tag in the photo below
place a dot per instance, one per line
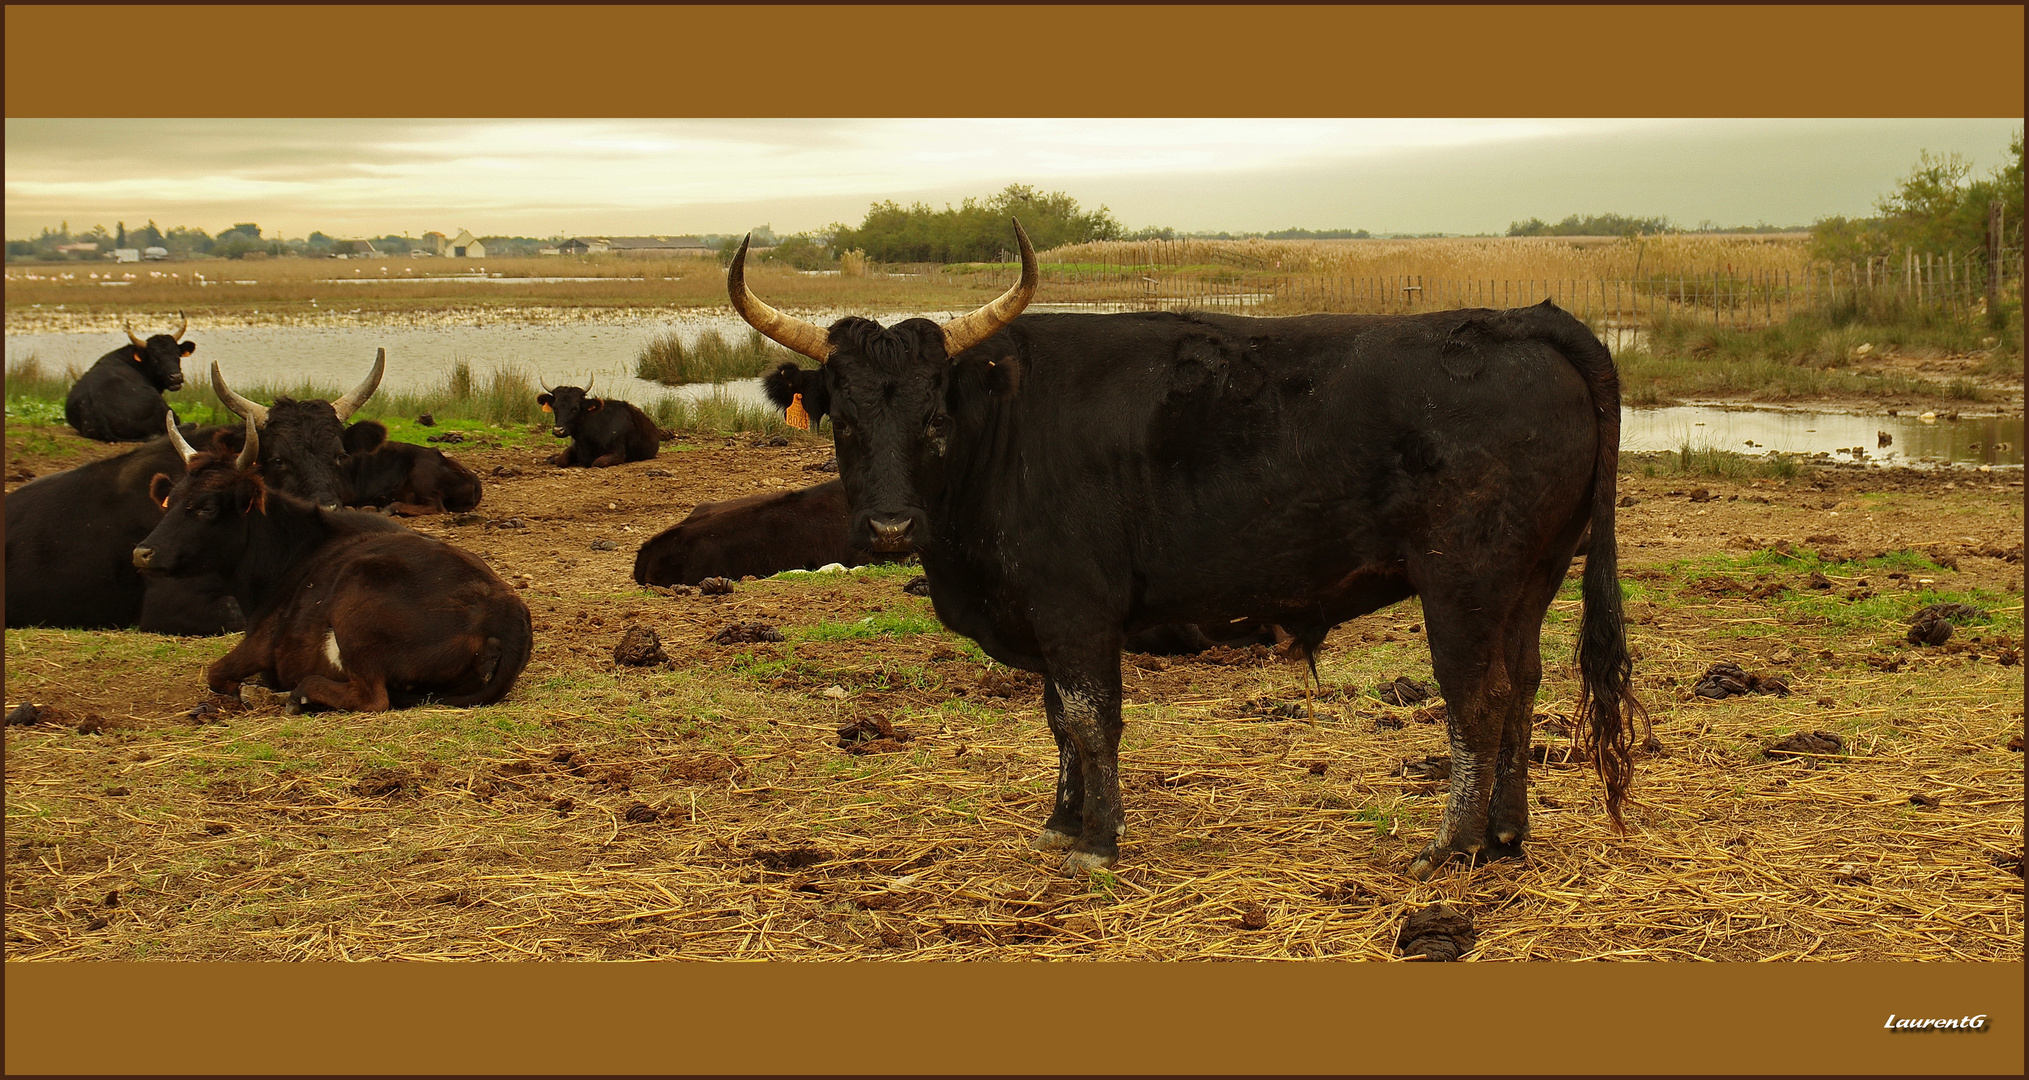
(158, 489)
(545, 408)
(796, 415)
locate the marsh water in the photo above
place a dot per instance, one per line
(422, 357)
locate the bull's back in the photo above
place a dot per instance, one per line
(1254, 460)
(71, 537)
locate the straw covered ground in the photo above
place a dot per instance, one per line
(704, 808)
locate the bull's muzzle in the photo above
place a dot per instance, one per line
(560, 433)
(891, 534)
(144, 558)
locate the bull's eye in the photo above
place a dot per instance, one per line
(205, 511)
(936, 425)
(844, 431)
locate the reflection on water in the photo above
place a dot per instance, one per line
(420, 358)
(1984, 440)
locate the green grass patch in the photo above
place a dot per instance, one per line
(878, 624)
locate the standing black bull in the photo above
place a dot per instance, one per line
(602, 431)
(71, 535)
(120, 398)
(1068, 479)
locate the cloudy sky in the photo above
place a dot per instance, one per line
(566, 177)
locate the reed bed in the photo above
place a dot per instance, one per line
(708, 359)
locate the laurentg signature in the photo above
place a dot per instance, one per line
(1962, 1023)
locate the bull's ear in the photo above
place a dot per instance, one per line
(544, 401)
(189, 347)
(785, 382)
(159, 487)
(364, 437)
(593, 404)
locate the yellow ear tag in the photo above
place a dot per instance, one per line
(545, 408)
(795, 414)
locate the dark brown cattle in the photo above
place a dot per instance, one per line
(753, 534)
(603, 431)
(404, 478)
(341, 612)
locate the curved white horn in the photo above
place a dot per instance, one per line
(785, 330)
(251, 410)
(250, 455)
(346, 405)
(185, 328)
(965, 331)
(183, 448)
(588, 383)
(131, 335)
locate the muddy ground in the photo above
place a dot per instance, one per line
(705, 807)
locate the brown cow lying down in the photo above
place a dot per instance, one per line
(753, 534)
(805, 529)
(405, 478)
(341, 611)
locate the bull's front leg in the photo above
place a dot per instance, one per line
(1067, 816)
(246, 660)
(1090, 693)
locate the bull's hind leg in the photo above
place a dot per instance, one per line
(362, 691)
(1067, 818)
(1468, 651)
(1508, 814)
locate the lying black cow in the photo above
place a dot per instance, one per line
(71, 535)
(766, 534)
(754, 534)
(602, 431)
(1069, 479)
(120, 398)
(345, 610)
(404, 478)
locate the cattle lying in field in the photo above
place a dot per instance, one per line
(71, 535)
(766, 534)
(603, 431)
(1069, 479)
(342, 611)
(754, 534)
(404, 478)
(120, 398)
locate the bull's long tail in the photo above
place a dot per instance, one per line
(1607, 706)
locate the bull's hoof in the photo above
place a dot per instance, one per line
(1431, 859)
(1052, 840)
(1497, 852)
(1080, 864)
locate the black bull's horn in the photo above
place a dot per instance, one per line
(960, 333)
(344, 406)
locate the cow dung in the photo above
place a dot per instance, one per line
(1439, 933)
(1724, 680)
(379, 783)
(1806, 746)
(746, 633)
(1432, 767)
(639, 647)
(917, 586)
(642, 813)
(22, 714)
(870, 735)
(715, 586)
(1402, 691)
(1930, 629)
(605, 545)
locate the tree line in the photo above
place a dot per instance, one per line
(1939, 207)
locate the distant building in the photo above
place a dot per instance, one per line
(466, 246)
(642, 247)
(432, 242)
(127, 255)
(354, 249)
(155, 254)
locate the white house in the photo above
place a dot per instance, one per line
(466, 246)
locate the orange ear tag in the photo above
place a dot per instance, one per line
(796, 415)
(545, 408)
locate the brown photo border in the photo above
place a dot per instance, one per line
(868, 1017)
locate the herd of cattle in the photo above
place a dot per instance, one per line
(1072, 484)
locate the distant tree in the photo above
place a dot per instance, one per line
(802, 251)
(120, 238)
(974, 231)
(185, 241)
(1939, 207)
(1592, 225)
(150, 236)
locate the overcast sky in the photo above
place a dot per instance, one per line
(585, 177)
